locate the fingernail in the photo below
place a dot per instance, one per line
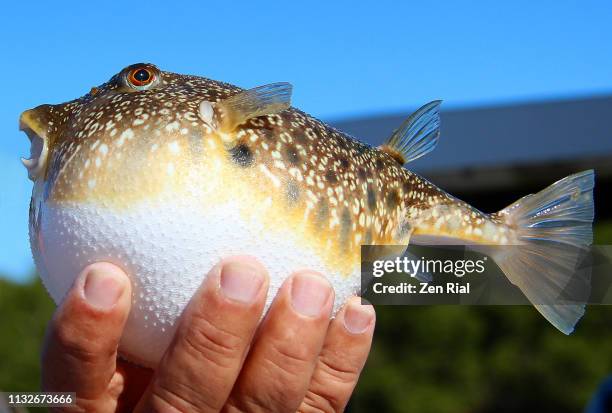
(309, 294)
(357, 316)
(241, 281)
(103, 286)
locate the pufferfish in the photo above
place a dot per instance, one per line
(163, 174)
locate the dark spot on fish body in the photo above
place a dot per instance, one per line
(292, 155)
(393, 199)
(380, 164)
(322, 214)
(406, 188)
(241, 154)
(362, 174)
(344, 163)
(371, 198)
(331, 177)
(300, 137)
(345, 227)
(293, 192)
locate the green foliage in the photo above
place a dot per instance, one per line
(424, 359)
(482, 359)
(25, 310)
(603, 233)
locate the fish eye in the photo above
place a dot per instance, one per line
(140, 77)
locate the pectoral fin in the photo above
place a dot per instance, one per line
(248, 104)
(417, 136)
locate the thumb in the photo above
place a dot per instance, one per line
(80, 349)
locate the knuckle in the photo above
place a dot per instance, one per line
(316, 403)
(246, 404)
(331, 385)
(288, 371)
(335, 372)
(291, 357)
(178, 397)
(287, 366)
(270, 401)
(75, 344)
(205, 339)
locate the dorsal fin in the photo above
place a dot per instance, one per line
(417, 136)
(259, 101)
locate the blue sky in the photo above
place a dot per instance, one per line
(344, 58)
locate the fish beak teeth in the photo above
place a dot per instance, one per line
(29, 163)
(38, 152)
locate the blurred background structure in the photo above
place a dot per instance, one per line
(527, 91)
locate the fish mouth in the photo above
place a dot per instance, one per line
(35, 164)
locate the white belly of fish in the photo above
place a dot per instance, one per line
(167, 249)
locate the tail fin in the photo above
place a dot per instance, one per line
(553, 227)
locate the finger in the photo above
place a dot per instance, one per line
(80, 349)
(200, 367)
(278, 368)
(132, 381)
(344, 354)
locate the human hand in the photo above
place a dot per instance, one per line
(221, 358)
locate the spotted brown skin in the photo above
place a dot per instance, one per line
(162, 174)
(121, 144)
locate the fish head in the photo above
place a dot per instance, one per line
(135, 129)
